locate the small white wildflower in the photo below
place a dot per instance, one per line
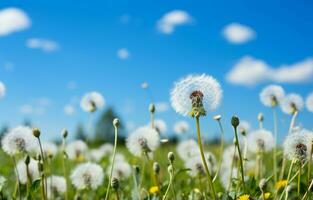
(76, 149)
(196, 94)
(19, 140)
(187, 149)
(272, 95)
(196, 166)
(292, 103)
(2, 90)
(56, 186)
(181, 127)
(32, 169)
(260, 141)
(160, 126)
(87, 176)
(49, 149)
(2, 182)
(122, 170)
(309, 102)
(298, 145)
(92, 101)
(143, 140)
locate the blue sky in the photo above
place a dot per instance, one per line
(76, 43)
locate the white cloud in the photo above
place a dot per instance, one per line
(162, 106)
(69, 109)
(43, 44)
(37, 106)
(238, 34)
(13, 20)
(250, 71)
(123, 53)
(171, 20)
(26, 109)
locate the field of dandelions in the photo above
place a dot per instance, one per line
(252, 167)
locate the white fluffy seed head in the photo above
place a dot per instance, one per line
(244, 127)
(291, 103)
(122, 170)
(309, 102)
(92, 101)
(143, 139)
(2, 90)
(260, 140)
(207, 85)
(187, 149)
(160, 126)
(196, 167)
(101, 152)
(298, 145)
(32, 169)
(181, 127)
(19, 140)
(272, 95)
(49, 149)
(56, 186)
(76, 149)
(87, 176)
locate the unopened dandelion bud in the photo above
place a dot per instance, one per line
(156, 168)
(260, 117)
(36, 132)
(40, 166)
(217, 117)
(235, 121)
(170, 169)
(262, 184)
(64, 133)
(38, 157)
(116, 122)
(171, 157)
(115, 183)
(27, 160)
(152, 108)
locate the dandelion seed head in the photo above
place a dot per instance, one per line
(19, 140)
(122, 170)
(181, 127)
(92, 101)
(143, 140)
(49, 149)
(309, 102)
(244, 127)
(32, 168)
(272, 95)
(87, 176)
(196, 167)
(76, 149)
(260, 140)
(56, 185)
(187, 149)
(160, 126)
(201, 91)
(291, 103)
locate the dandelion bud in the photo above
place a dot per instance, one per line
(235, 121)
(36, 132)
(137, 169)
(152, 108)
(217, 117)
(171, 157)
(39, 157)
(40, 166)
(262, 184)
(170, 169)
(260, 117)
(27, 160)
(156, 167)
(115, 183)
(116, 122)
(64, 133)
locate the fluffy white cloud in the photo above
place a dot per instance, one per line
(26, 109)
(238, 34)
(13, 20)
(69, 109)
(43, 44)
(250, 71)
(171, 20)
(162, 106)
(123, 53)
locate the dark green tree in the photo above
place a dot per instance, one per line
(4, 129)
(80, 133)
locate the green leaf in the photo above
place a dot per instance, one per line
(35, 185)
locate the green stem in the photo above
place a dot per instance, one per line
(307, 191)
(212, 189)
(18, 185)
(299, 180)
(64, 168)
(240, 158)
(44, 180)
(293, 120)
(288, 178)
(221, 151)
(310, 164)
(275, 146)
(231, 171)
(281, 176)
(168, 187)
(113, 160)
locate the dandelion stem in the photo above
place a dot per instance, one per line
(136, 184)
(212, 189)
(299, 180)
(221, 151)
(275, 146)
(44, 180)
(305, 196)
(63, 156)
(168, 187)
(310, 164)
(113, 160)
(18, 185)
(231, 171)
(240, 158)
(293, 120)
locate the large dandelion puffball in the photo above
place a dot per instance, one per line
(50, 149)
(272, 95)
(19, 140)
(291, 103)
(309, 102)
(92, 101)
(160, 126)
(143, 140)
(196, 167)
(181, 127)
(187, 149)
(121, 170)
(2, 90)
(184, 88)
(55, 185)
(260, 141)
(87, 176)
(76, 149)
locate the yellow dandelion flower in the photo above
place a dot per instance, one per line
(280, 184)
(154, 190)
(267, 195)
(244, 197)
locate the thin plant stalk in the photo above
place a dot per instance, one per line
(275, 146)
(152, 119)
(44, 180)
(288, 177)
(18, 185)
(240, 158)
(63, 156)
(231, 171)
(305, 196)
(168, 187)
(299, 180)
(113, 160)
(136, 185)
(212, 189)
(117, 195)
(293, 121)
(221, 151)
(310, 164)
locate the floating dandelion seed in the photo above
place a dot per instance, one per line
(260, 141)
(272, 95)
(92, 102)
(19, 140)
(2, 90)
(181, 127)
(56, 186)
(76, 150)
(196, 93)
(292, 103)
(143, 140)
(309, 102)
(87, 176)
(32, 170)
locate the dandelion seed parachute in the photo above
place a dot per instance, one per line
(32, 168)
(260, 140)
(272, 95)
(181, 127)
(207, 85)
(292, 102)
(309, 102)
(55, 185)
(76, 149)
(92, 101)
(87, 176)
